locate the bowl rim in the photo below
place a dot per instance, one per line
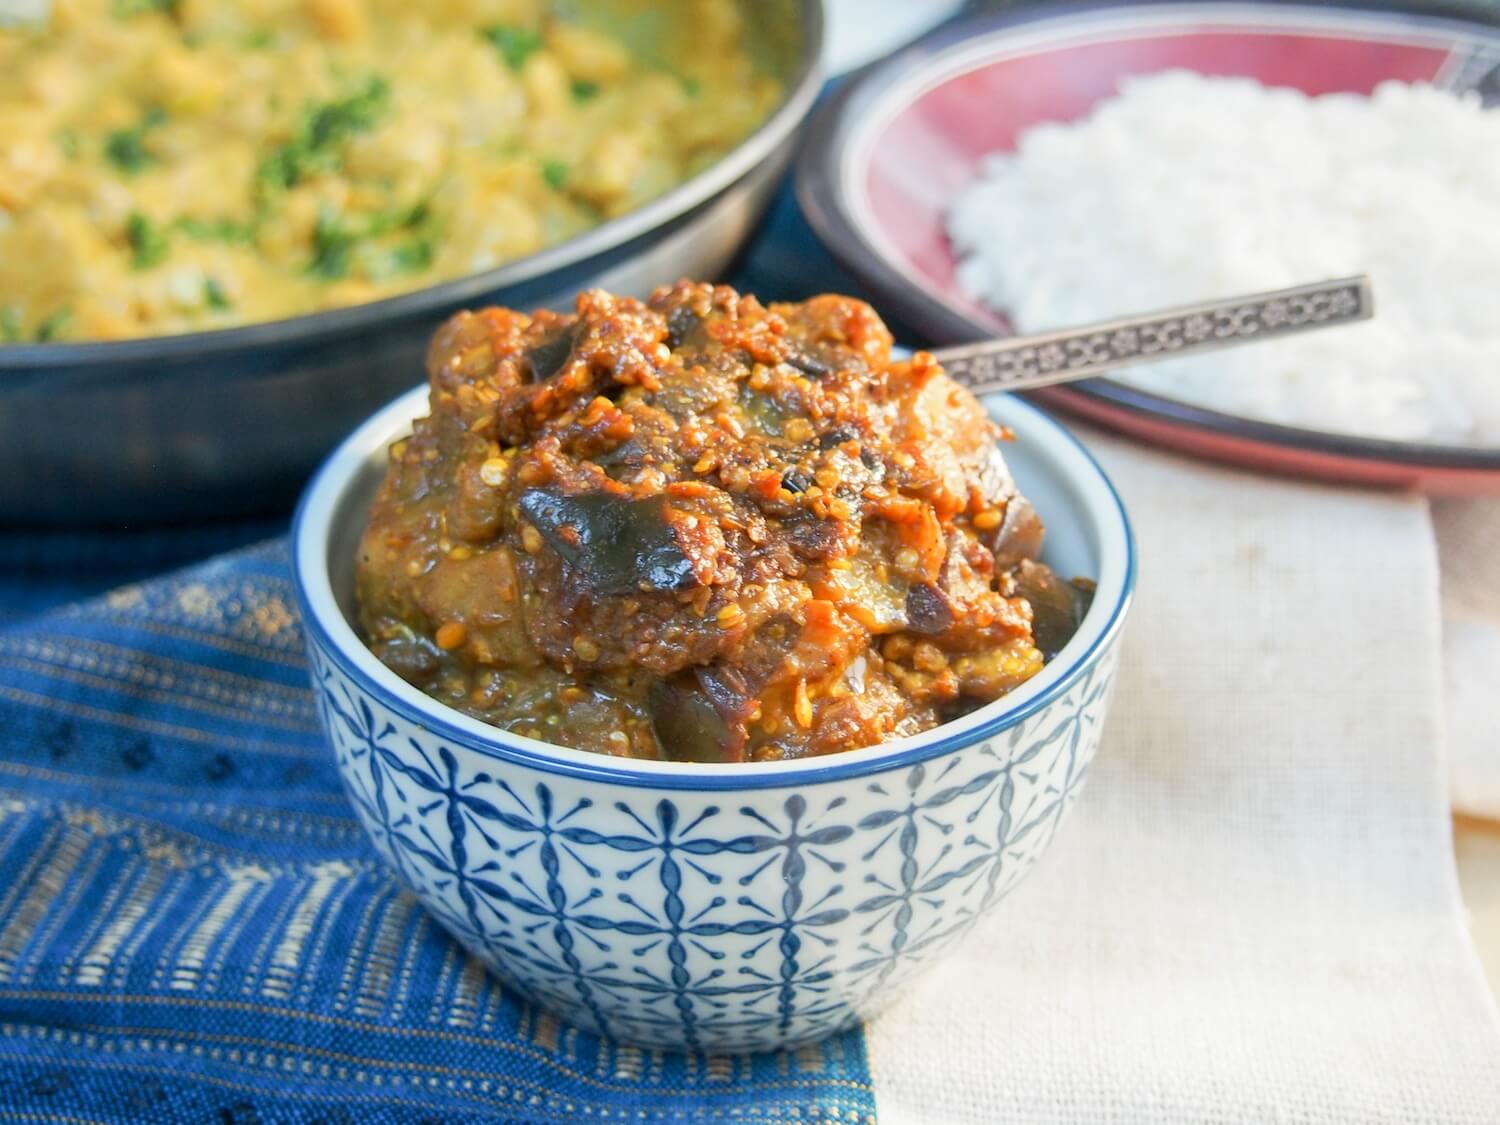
(802, 87)
(823, 172)
(334, 638)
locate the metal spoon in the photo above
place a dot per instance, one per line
(1017, 363)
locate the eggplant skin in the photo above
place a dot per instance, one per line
(929, 610)
(1057, 607)
(546, 359)
(614, 546)
(688, 725)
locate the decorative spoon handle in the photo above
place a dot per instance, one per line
(1018, 363)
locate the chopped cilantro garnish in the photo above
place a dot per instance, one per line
(336, 122)
(124, 9)
(319, 142)
(412, 256)
(126, 148)
(418, 215)
(692, 87)
(515, 44)
(148, 242)
(555, 172)
(50, 328)
(214, 296)
(332, 242)
(397, 218)
(67, 141)
(10, 324)
(342, 245)
(216, 230)
(585, 91)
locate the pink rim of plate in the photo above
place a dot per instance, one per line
(889, 152)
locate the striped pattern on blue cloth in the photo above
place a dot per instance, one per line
(194, 929)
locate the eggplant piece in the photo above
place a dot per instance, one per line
(615, 546)
(683, 324)
(837, 436)
(995, 482)
(687, 726)
(815, 539)
(1019, 535)
(935, 608)
(730, 690)
(700, 717)
(1057, 607)
(415, 659)
(546, 359)
(929, 610)
(809, 364)
(796, 480)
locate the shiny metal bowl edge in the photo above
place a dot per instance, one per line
(230, 422)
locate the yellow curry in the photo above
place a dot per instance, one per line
(175, 165)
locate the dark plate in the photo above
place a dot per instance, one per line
(884, 160)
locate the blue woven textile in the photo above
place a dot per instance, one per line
(41, 569)
(193, 927)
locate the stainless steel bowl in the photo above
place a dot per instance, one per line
(231, 421)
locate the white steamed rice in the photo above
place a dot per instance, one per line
(1185, 188)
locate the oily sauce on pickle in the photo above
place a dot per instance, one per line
(703, 529)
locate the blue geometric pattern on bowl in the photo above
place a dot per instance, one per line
(711, 920)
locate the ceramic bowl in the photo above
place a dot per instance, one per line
(726, 907)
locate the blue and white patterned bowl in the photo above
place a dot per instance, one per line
(713, 907)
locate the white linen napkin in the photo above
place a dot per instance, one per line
(1468, 533)
(1252, 915)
